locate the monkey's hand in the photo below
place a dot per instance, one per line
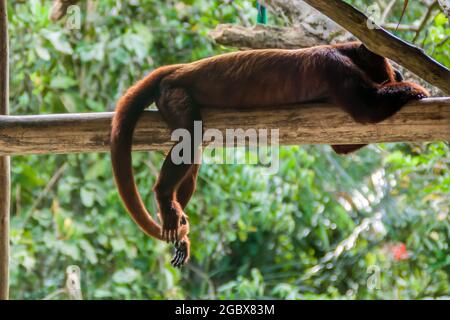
(390, 98)
(403, 91)
(182, 253)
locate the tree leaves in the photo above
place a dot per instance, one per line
(58, 40)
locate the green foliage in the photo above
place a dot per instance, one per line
(323, 227)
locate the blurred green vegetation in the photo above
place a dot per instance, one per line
(371, 225)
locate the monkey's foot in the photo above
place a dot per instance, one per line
(170, 227)
(182, 252)
(171, 221)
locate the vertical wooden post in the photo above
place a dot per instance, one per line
(5, 178)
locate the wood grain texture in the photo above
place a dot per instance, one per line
(385, 44)
(5, 178)
(426, 120)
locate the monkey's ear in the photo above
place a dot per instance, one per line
(363, 48)
(398, 76)
(366, 53)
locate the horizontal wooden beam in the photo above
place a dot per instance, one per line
(426, 120)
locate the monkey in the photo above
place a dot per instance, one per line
(348, 75)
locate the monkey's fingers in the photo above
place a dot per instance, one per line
(170, 235)
(174, 236)
(178, 259)
(170, 227)
(181, 254)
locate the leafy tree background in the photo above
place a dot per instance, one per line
(371, 225)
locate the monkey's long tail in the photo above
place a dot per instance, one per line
(128, 110)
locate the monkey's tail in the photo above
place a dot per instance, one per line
(128, 110)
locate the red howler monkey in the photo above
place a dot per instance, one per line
(348, 75)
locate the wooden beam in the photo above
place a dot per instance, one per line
(385, 44)
(426, 120)
(5, 178)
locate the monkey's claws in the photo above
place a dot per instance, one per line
(181, 254)
(170, 235)
(421, 96)
(170, 225)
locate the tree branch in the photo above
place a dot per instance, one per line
(312, 21)
(308, 28)
(445, 6)
(263, 37)
(425, 19)
(388, 10)
(401, 27)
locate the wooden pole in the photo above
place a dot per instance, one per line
(425, 120)
(5, 178)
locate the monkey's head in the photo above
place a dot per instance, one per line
(377, 67)
(398, 76)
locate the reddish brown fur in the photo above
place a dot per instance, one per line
(348, 75)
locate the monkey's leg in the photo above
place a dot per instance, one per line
(170, 211)
(184, 194)
(179, 111)
(187, 187)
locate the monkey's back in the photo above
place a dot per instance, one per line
(254, 78)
